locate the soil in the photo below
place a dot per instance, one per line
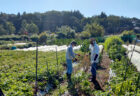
(103, 70)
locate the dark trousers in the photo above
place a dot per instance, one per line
(1, 93)
(96, 83)
(93, 69)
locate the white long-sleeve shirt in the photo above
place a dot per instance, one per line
(94, 50)
(70, 54)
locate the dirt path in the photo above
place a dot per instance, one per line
(103, 70)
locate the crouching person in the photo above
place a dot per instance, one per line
(70, 55)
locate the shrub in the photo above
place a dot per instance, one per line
(34, 37)
(111, 41)
(25, 37)
(116, 52)
(128, 36)
(85, 46)
(10, 37)
(43, 38)
(85, 35)
(100, 39)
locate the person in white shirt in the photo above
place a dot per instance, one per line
(70, 55)
(94, 50)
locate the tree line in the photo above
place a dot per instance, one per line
(65, 24)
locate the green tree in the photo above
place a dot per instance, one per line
(65, 32)
(85, 35)
(32, 28)
(94, 29)
(10, 28)
(102, 15)
(2, 30)
(71, 35)
(23, 28)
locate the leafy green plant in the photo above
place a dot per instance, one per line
(85, 46)
(112, 41)
(128, 36)
(17, 74)
(126, 74)
(85, 87)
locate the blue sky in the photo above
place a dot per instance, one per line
(127, 8)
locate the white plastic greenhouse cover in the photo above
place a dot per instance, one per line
(136, 55)
(47, 48)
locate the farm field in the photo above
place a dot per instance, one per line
(35, 59)
(17, 74)
(18, 70)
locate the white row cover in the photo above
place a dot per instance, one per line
(130, 47)
(47, 48)
(135, 57)
(18, 44)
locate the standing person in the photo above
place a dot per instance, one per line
(94, 49)
(70, 55)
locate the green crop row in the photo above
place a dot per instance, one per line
(126, 81)
(17, 76)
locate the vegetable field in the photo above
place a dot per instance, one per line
(116, 73)
(17, 76)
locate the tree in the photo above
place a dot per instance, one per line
(94, 29)
(65, 32)
(23, 29)
(28, 28)
(103, 15)
(2, 30)
(85, 35)
(10, 28)
(51, 20)
(32, 28)
(70, 35)
(85, 21)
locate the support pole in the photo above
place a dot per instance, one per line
(36, 88)
(58, 71)
(133, 50)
